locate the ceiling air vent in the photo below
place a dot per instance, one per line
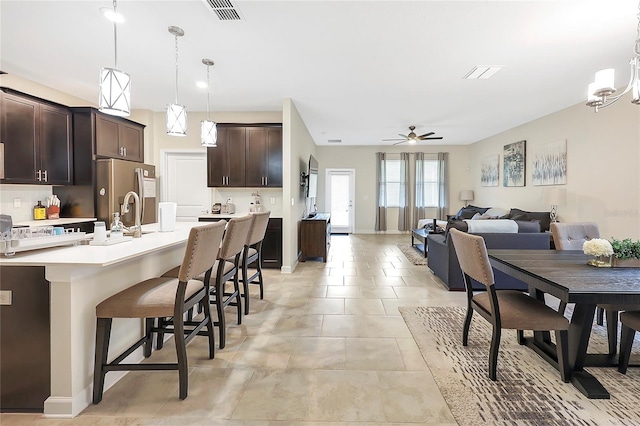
(334, 140)
(224, 10)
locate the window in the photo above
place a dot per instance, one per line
(429, 183)
(392, 176)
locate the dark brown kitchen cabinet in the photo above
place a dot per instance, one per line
(119, 138)
(248, 156)
(226, 161)
(25, 342)
(263, 153)
(36, 135)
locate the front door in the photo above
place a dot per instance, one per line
(339, 200)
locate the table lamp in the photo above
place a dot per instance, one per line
(554, 197)
(466, 195)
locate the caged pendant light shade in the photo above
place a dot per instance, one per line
(115, 85)
(176, 113)
(208, 128)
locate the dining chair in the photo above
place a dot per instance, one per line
(504, 309)
(630, 324)
(253, 253)
(162, 297)
(571, 236)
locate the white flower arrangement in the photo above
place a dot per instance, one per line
(597, 247)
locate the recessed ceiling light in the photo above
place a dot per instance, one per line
(482, 72)
(112, 15)
(202, 84)
(334, 140)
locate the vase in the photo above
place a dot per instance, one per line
(600, 261)
(626, 263)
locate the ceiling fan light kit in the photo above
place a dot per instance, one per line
(412, 138)
(599, 92)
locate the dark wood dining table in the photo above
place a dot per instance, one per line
(566, 275)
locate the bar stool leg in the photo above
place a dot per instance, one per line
(148, 344)
(103, 332)
(181, 352)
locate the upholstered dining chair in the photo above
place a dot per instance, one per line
(504, 309)
(571, 236)
(253, 253)
(162, 297)
(630, 324)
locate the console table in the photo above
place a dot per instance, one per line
(315, 236)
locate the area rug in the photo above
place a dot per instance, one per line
(412, 254)
(528, 390)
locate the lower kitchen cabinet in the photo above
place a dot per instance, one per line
(25, 339)
(271, 245)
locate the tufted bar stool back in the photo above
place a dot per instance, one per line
(253, 253)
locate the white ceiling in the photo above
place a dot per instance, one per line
(359, 71)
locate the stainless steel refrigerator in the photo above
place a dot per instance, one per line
(105, 195)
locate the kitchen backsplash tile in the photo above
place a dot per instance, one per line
(242, 198)
(29, 195)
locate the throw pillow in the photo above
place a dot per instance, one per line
(543, 217)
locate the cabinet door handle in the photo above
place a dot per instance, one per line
(45, 175)
(266, 180)
(125, 151)
(39, 175)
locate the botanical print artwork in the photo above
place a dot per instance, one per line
(514, 164)
(490, 170)
(550, 164)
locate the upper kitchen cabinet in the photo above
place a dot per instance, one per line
(263, 153)
(98, 135)
(36, 136)
(246, 156)
(226, 162)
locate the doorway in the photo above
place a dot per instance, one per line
(341, 190)
(184, 181)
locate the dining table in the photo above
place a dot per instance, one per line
(567, 276)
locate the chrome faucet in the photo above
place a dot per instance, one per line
(137, 227)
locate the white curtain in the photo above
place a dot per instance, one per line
(404, 212)
(381, 197)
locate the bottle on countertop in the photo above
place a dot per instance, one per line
(39, 211)
(116, 226)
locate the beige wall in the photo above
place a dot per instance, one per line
(297, 146)
(603, 167)
(363, 160)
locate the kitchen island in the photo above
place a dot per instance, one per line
(80, 277)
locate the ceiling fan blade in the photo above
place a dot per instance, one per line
(389, 140)
(398, 143)
(427, 139)
(426, 134)
(404, 136)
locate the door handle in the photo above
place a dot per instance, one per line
(45, 175)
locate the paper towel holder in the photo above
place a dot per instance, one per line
(167, 216)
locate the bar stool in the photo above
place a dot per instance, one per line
(225, 269)
(162, 297)
(253, 253)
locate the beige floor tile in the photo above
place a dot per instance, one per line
(360, 281)
(378, 293)
(389, 281)
(411, 355)
(263, 352)
(412, 292)
(373, 354)
(345, 292)
(341, 272)
(391, 305)
(299, 325)
(363, 307)
(397, 272)
(369, 272)
(364, 326)
(318, 353)
(325, 306)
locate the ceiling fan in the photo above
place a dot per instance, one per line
(412, 137)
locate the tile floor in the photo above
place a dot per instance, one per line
(326, 346)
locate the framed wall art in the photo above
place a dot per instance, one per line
(514, 159)
(490, 170)
(550, 164)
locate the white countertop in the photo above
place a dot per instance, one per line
(98, 256)
(55, 222)
(227, 216)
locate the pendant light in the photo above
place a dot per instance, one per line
(115, 85)
(176, 113)
(208, 128)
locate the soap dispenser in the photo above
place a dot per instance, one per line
(116, 226)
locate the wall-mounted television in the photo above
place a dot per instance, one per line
(312, 184)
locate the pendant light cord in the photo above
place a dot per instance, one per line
(115, 37)
(208, 91)
(176, 69)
